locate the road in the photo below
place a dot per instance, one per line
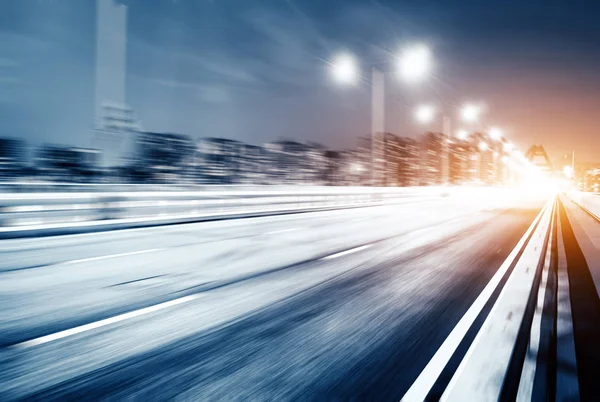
(337, 305)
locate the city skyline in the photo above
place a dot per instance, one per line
(379, 200)
(187, 77)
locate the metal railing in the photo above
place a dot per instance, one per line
(58, 212)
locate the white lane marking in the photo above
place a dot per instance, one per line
(422, 385)
(108, 321)
(104, 257)
(282, 231)
(346, 252)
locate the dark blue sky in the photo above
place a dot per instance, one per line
(255, 70)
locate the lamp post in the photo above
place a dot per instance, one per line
(413, 64)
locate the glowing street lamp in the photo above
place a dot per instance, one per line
(356, 168)
(495, 133)
(470, 113)
(425, 114)
(414, 63)
(568, 171)
(344, 69)
(462, 135)
(483, 146)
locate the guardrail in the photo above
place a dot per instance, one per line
(492, 353)
(590, 202)
(36, 214)
(62, 187)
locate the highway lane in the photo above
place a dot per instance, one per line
(358, 325)
(38, 252)
(83, 278)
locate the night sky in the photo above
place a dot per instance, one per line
(256, 70)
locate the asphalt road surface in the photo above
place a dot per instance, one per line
(342, 305)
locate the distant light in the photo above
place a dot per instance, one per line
(568, 172)
(470, 113)
(462, 135)
(508, 147)
(496, 154)
(425, 114)
(483, 146)
(414, 63)
(357, 168)
(344, 69)
(496, 133)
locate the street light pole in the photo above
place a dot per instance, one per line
(413, 64)
(446, 131)
(377, 117)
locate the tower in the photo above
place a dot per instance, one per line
(115, 123)
(536, 154)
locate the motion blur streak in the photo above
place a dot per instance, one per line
(256, 200)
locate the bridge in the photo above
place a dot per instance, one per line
(458, 293)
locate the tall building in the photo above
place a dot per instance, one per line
(388, 158)
(431, 160)
(114, 121)
(12, 158)
(488, 158)
(408, 162)
(294, 162)
(396, 159)
(464, 161)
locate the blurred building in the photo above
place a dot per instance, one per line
(334, 169)
(476, 159)
(163, 157)
(387, 159)
(292, 162)
(365, 157)
(254, 160)
(225, 161)
(590, 181)
(408, 162)
(344, 168)
(488, 158)
(60, 163)
(462, 169)
(12, 158)
(396, 160)
(432, 159)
